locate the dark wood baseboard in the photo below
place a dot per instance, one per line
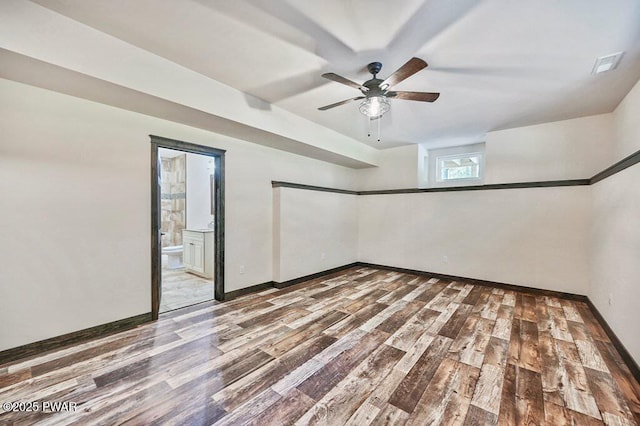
(313, 276)
(247, 290)
(81, 336)
(513, 287)
(624, 353)
(273, 284)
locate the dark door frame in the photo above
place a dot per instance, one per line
(156, 252)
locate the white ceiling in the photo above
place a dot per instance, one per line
(497, 63)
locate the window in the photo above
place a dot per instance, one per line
(459, 167)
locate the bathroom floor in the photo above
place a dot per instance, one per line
(180, 289)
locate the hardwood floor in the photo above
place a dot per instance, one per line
(360, 347)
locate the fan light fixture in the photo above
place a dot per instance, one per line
(375, 106)
(376, 93)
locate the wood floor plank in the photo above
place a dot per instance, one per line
(574, 387)
(321, 382)
(490, 309)
(529, 400)
(529, 308)
(9, 379)
(397, 294)
(496, 352)
(595, 330)
(351, 322)
(442, 300)
(590, 356)
(432, 291)
(552, 373)
(452, 327)
(398, 319)
(558, 415)
(250, 410)
(470, 344)
(607, 395)
(487, 392)
(382, 393)
(570, 311)
(507, 414)
(361, 346)
(285, 410)
(410, 390)
(364, 415)
(363, 302)
(146, 366)
(478, 416)
(579, 331)
(337, 406)
(523, 349)
(628, 386)
(390, 416)
(407, 335)
(447, 396)
(375, 321)
(236, 394)
(473, 297)
(302, 334)
(509, 298)
(504, 318)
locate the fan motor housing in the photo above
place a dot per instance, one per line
(374, 87)
(374, 67)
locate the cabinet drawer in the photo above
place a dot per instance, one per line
(193, 236)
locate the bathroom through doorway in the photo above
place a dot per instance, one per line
(187, 211)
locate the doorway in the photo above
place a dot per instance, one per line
(187, 224)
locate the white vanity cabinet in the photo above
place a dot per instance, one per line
(198, 251)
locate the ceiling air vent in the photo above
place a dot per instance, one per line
(607, 63)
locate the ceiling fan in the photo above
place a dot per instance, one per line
(376, 93)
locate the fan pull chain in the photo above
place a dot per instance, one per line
(369, 131)
(379, 120)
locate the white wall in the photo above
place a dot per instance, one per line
(316, 231)
(536, 237)
(398, 168)
(615, 255)
(199, 169)
(75, 191)
(626, 127)
(569, 149)
(615, 233)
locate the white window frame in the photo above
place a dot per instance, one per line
(441, 158)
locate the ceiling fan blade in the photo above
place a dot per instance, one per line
(414, 96)
(339, 79)
(326, 107)
(412, 66)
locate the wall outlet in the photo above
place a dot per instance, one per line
(445, 259)
(323, 256)
(242, 269)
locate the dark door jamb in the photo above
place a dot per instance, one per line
(156, 252)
